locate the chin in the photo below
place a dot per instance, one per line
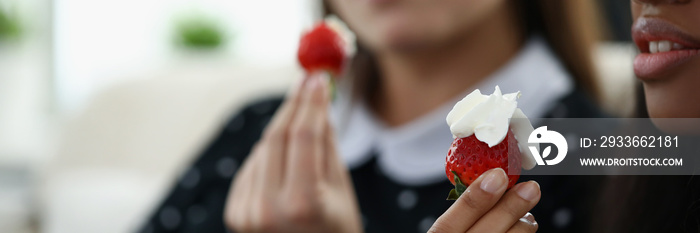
(666, 104)
(675, 94)
(404, 32)
(406, 43)
(399, 37)
(674, 111)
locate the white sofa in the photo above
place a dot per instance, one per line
(123, 152)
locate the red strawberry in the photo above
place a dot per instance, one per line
(468, 158)
(322, 49)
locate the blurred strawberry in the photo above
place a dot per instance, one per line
(322, 49)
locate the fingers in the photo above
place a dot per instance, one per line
(514, 204)
(265, 162)
(239, 198)
(479, 198)
(333, 168)
(290, 154)
(526, 224)
(283, 116)
(483, 207)
(274, 141)
(306, 136)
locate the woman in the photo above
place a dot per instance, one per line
(667, 35)
(668, 38)
(379, 166)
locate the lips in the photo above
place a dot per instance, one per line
(663, 46)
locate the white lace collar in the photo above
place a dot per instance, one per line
(414, 153)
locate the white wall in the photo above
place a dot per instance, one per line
(24, 109)
(100, 43)
(25, 70)
(71, 50)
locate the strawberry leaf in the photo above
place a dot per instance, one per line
(453, 195)
(331, 82)
(333, 87)
(459, 188)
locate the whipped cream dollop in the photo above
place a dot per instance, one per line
(339, 26)
(488, 117)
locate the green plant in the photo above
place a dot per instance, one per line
(199, 32)
(9, 27)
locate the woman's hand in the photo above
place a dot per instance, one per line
(484, 207)
(293, 181)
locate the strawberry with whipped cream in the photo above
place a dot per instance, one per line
(486, 138)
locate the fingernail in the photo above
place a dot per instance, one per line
(323, 79)
(311, 82)
(493, 181)
(323, 75)
(529, 218)
(317, 80)
(528, 190)
(297, 87)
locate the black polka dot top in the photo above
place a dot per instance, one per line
(197, 199)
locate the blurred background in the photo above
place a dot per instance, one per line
(103, 103)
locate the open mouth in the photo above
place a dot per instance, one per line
(663, 46)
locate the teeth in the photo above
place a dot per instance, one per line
(663, 46)
(677, 46)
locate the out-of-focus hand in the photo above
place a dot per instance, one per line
(486, 207)
(293, 181)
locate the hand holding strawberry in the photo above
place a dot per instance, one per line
(294, 181)
(485, 148)
(486, 206)
(323, 50)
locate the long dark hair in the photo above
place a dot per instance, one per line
(570, 27)
(647, 203)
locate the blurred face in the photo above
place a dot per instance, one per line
(401, 25)
(667, 33)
